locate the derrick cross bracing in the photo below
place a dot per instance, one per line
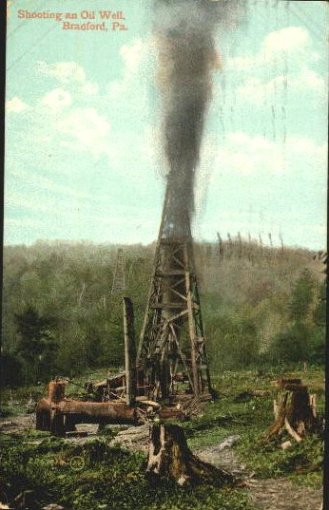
(119, 280)
(172, 350)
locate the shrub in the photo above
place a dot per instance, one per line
(10, 370)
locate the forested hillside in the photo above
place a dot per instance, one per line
(259, 304)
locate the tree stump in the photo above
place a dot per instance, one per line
(169, 457)
(295, 412)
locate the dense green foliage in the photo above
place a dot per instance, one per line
(303, 337)
(59, 317)
(94, 475)
(36, 345)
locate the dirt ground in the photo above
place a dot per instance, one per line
(267, 494)
(17, 424)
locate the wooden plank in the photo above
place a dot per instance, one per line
(192, 332)
(130, 351)
(173, 272)
(168, 305)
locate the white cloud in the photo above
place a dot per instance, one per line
(90, 88)
(69, 74)
(257, 91)
(252, 91)
(16, 105)
(135, 56)
(290, 43)
(87, 129)
(247, 155)
(310, 154)
(287, 40)
(282, 61)
(64, 72)
(56, 100)
(310, 80)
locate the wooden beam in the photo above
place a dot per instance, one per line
(130, 351)
(192, 334)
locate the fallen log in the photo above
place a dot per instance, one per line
(58, 414)
(169, 457)
(172, 413)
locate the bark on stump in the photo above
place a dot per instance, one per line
(169, 457)
(295, 412)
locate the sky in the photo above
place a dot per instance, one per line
(84, 153)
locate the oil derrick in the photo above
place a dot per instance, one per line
(119, 281)
(270, 239)
(171, 354)
(220, 247)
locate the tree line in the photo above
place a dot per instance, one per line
(60, 317)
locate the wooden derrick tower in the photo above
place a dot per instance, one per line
(171, 354)
(119, 280)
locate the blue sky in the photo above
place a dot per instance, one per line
(83, 127)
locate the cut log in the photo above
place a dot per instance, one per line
(143, 401)
(170, 458)
(58, 414)
(167, 413)
(63, 417)
(295, 411)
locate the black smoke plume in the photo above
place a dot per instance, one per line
(187, 57)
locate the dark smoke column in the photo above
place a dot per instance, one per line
(187, 57)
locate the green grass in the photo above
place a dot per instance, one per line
(112, 478)
(251, 418)
(97, 476)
